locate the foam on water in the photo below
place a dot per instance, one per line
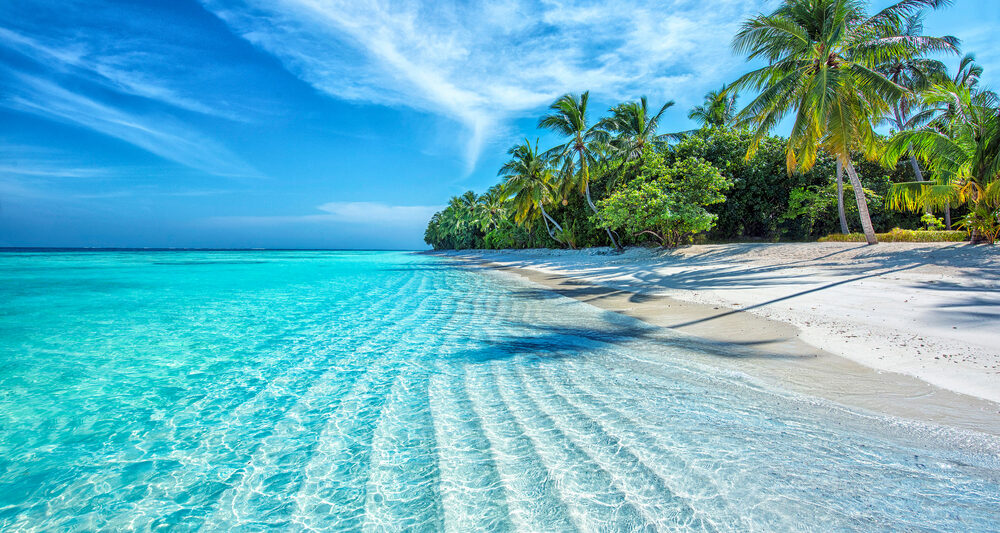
(391, 391)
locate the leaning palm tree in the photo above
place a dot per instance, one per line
(822, 56)
(528, 183)
(718, 110)
(568, 118)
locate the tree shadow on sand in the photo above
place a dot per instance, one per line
(732, 267)
(564, 341)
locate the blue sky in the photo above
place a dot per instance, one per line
(323, 123)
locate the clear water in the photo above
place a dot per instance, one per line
(240, 391)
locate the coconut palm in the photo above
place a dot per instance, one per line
(969, 72)
(460, 219)
(822, 57)
(718, 110)
(916, 73)
(528, 183)
(435, 234)
(944, 116)
(568, 117)
(962, 148)
(633, 127)
(449, 228)
(491, 208)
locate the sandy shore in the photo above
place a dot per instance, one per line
(890, 312)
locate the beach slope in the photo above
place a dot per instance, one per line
(931, 311)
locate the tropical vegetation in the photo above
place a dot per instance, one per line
(865, 94)
(665, 201)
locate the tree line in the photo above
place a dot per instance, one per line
(841, 73)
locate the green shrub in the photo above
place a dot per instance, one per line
(665, 201)
(984, 221)
(901, 235)
(931, 222)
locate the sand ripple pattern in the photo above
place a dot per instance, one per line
(376, 391)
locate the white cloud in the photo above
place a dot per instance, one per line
(45, 169)
(99, 63)
(487, 62)
(368, 213)
(36, 172)
(125, 72)
(159, 135)
(378, 213)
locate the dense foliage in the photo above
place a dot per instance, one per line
(665, 201)
(841, 74)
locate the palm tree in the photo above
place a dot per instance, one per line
(948, 115)
(718, 110)
(822, 56)
(435, 235)
(945, 114)
(459, 218)
(968, 75)
(633, 128)
(916, 73)
(962, 147)
(491, 208)
(569, 119)
(969, 72)
(528, 183)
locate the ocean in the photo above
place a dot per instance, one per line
(395, 391)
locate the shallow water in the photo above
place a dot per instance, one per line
(393, 391)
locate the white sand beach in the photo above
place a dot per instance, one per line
(931, 311)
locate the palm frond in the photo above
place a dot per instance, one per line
(895, 14)
(915, 196)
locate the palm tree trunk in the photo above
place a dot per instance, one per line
(549, 218)
(859, 195)
(916, 168)
(548, 229)
(546, 218)
(840, 198)
(947, 216)
(586, 190)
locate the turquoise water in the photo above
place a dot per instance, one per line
(243, 391)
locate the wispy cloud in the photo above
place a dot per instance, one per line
(367, 213)
(55, 176)
(160, 135)
(134, 66)
(45, 169)
(106, 81)
(115, 71)
(484, 63)
(35, 172)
